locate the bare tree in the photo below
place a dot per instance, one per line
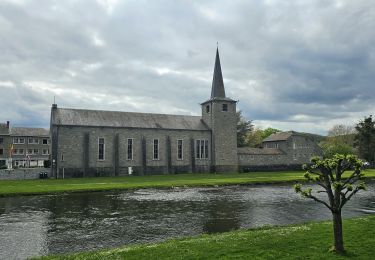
(328, 174)
(340, 140)
(339, 130)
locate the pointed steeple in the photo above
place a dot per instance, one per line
(217, 90)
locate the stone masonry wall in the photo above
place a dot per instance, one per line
(224, 134)
(71, 159)
(262, 159)
(298, 151)
(23, 174)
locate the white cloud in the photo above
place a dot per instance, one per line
(7, 84)
(108, 5)
(97, 41)
(92, 66)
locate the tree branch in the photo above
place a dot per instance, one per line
(314, 172)
(354, 180)
(321, 184)
(318, 200)
(329, 189)
(356, 173)
(346, 166)
(346, 199)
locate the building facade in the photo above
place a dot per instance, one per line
(110, 143)
(23, 146)
(285, 150)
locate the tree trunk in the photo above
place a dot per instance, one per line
(337, 232)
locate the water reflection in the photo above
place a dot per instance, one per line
(39, 225)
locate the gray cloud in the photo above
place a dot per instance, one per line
(302, 65)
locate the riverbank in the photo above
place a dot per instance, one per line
(50, 186)
(305, 241)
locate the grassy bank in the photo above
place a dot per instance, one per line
(307, 241)
(29, 187)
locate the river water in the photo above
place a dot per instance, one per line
(50, 224)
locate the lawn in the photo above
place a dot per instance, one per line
(306, 241)
(29, 187)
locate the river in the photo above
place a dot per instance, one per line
(50, 224)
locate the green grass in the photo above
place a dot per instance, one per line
(31, 187)
(306, 241)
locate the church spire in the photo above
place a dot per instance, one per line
(217, 90)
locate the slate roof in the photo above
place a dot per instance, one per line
(29, 131)
(83, 117)
(218, 90)
(282, 136)
(217, 81)
(4, 129)
(259, 151)
(219, 99)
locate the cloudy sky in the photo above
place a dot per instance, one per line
(296, 64)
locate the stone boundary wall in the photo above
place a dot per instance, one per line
(23, 174)
(271, 167)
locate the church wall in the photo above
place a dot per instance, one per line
(72, 155)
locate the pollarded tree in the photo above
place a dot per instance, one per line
(328, 174)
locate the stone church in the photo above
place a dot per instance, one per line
(111, 143)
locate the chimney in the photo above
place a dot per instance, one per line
(8, 124)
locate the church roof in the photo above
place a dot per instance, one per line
(259, 151)
(81, 117)
(217, 90)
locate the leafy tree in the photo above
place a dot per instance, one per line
(269, 131)
(331, 147)
(327, 173)
(365, 138)
(254, 138)
(244, 127)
